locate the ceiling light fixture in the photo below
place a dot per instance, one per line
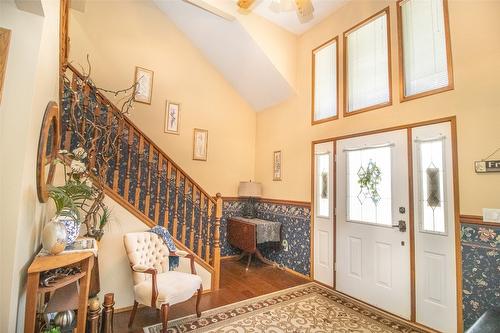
(304, 8)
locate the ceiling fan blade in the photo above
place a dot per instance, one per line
(245, 4)
(304, 8)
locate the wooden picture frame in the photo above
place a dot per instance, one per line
(4, 52)
(144, 85)
(277, 165)
(172, 117)
(200, 144)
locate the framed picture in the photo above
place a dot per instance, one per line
(277, 165)
(200, 144)
(144, 87)
(4, 51)
(172, 113)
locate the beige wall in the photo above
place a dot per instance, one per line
(476, 58)
(31, 80)
(120, 36)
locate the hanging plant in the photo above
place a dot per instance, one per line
(369, 180)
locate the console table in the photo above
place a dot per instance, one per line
(85, 260)
(245, 234)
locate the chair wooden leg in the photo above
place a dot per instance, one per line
(132, 314)
(164, 317)
(198, 298)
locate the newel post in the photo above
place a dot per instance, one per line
(218, 216)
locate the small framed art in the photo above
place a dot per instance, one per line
(277, 164)
(200, 144)
(144, 87)
(172, 114)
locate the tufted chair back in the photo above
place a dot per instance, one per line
(146, 249)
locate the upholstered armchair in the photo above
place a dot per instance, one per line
(154, 284)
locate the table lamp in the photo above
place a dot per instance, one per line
(249, 190)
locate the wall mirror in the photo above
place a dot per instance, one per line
(48, 147)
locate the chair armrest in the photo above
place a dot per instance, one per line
(184, 254)
(144, 269)
(178, 253)
(154, 285)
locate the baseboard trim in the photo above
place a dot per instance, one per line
(291, 271)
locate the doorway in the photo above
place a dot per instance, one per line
(393, 222)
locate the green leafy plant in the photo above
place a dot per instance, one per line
(52, 330)
(369, 179)
(79, 197)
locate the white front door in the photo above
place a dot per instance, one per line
(373, 256)
(323, 213)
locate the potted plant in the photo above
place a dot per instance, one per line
(78, 200)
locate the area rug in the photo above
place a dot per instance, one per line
(306, 308)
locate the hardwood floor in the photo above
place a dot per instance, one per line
(236, 285)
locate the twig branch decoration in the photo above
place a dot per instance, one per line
(99, 128)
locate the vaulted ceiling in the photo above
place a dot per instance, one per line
(233, 51)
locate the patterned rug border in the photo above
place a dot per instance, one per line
(282, 297)
(221, 308)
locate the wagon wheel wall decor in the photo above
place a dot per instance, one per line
(48, 146)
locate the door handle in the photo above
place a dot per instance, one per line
(401, 225)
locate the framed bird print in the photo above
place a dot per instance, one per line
(144, 85)
(200, 144)
(172, 114)
(277, 165)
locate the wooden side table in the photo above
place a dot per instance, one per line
(242, 234)
(44, 263)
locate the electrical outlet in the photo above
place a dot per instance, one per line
(491, 215)
(284, 243)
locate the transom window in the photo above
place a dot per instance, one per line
(369, 185)
(367, 55)
(426, 58)
(325, 82)
(431, 194)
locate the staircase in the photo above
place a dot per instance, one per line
(144, 180)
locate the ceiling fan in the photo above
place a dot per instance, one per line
(304, 8)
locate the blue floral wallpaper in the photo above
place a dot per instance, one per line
(296, 226)
(480, 270)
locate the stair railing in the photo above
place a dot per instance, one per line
(145, 180)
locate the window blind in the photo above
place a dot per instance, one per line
(325, 82)
(368, 65)
(424, 46)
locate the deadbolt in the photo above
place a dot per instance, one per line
(402, 210)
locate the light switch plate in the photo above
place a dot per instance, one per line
(491, 215)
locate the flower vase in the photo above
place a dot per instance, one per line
(72, 226)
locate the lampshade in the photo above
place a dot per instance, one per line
(249, 189)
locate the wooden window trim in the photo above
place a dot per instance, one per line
(451, 85)
(325, 44)
(346, 113)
